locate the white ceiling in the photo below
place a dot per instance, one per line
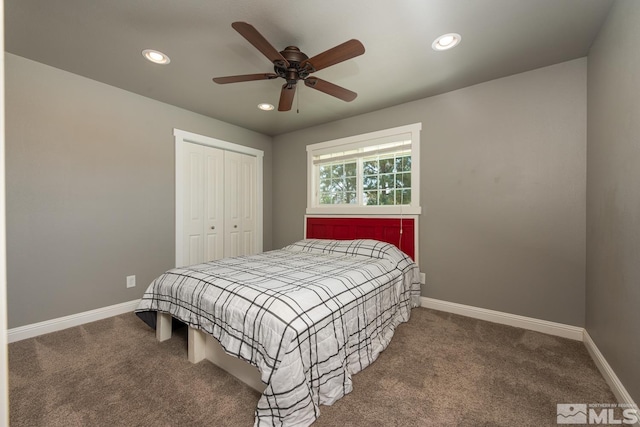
(103, 40)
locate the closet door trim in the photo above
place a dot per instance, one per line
(181, 137)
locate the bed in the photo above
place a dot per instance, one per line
(307, 316)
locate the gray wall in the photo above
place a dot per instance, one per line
(502, 190)
(613, 195)
(90, 190)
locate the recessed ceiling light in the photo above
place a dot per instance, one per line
(156, 56)
(446, 41)
(265, 107)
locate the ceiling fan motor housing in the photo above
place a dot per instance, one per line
(295, 71)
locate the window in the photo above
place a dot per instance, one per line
(371, 173)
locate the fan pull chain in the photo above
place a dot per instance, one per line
(298, 102)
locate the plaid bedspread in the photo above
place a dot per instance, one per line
(308, 316)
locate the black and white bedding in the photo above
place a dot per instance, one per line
(308, 316)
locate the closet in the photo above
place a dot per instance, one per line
(217, 201)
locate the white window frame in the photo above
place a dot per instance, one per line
(344, 144)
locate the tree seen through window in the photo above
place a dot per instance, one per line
(385, 180)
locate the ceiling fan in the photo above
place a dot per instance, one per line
(292, 65)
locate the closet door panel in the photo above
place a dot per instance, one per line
(195, 250)
(213, 204)
(248, 204)
(193, 219)
(233, 193)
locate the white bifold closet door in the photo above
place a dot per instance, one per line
(239, 204)
(219, 203)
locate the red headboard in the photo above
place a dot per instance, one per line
(383, 229)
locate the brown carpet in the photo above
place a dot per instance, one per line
(439, 370)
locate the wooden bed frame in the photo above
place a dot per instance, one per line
(400, 231)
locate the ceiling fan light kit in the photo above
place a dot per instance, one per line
(293, 65)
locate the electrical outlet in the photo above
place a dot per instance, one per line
(423, 278)
(131, 281)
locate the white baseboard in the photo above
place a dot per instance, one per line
(53, 325)
(551, 328)
(544, 326)
(610, 377)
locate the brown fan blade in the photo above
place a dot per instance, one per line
(286, 97)
(244, 78)
(342, 52)
(330, 89)
(259, 42)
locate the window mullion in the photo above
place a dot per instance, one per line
(317, 185)
(359, 180)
